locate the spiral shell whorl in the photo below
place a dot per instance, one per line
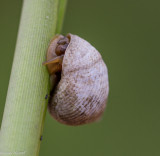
(81, 95)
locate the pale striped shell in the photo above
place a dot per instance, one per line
(81, 95)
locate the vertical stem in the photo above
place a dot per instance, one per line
(25, 106)
(61, 9)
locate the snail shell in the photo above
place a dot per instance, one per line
(81, 93)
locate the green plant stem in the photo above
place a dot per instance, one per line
(61, 9)
(25, 106)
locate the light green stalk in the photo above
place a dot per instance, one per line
(61, 9)
(25, 106)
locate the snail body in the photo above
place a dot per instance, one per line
(81, 93)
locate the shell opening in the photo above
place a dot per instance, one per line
(54, 63)
(62, 46)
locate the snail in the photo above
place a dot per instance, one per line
(81, 77)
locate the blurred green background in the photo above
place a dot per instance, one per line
(127, 33)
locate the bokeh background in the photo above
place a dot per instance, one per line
(127, 33)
